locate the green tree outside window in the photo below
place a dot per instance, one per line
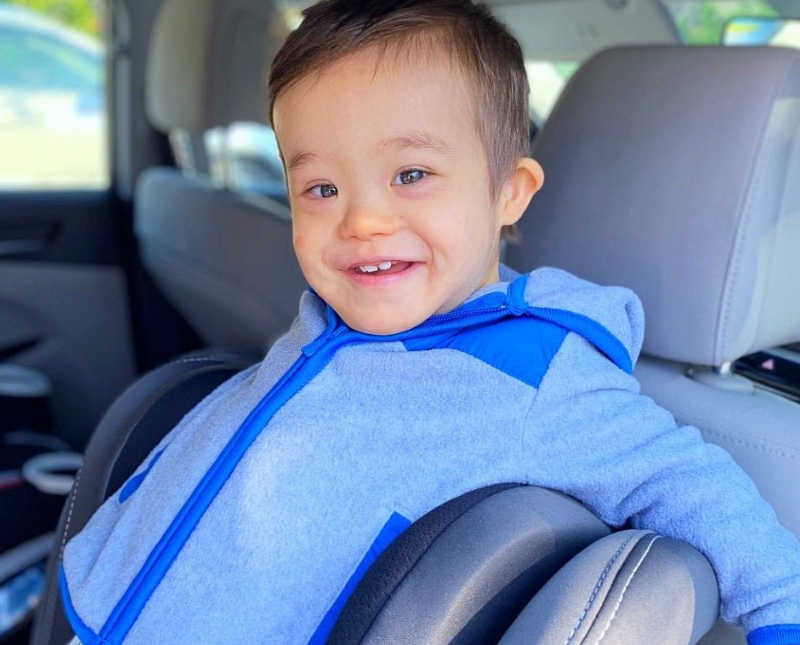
(701, 23)
(83, 15)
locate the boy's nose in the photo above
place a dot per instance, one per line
(363, 221)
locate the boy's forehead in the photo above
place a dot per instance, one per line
(379, 85)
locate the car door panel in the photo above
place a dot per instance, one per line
(64, 302)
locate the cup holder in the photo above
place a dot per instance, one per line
(52, 472)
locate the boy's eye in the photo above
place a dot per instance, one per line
(324, 190)
(409, 176)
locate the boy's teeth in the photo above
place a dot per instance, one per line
(369, 268)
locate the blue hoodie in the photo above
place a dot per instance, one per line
(254, 518)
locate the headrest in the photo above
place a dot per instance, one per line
(208, 63)
(676, 171)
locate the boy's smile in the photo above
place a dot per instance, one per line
(392, 212)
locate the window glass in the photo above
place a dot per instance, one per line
(293, 11)
(52, 95)
(700, 22)
(546, 79)
(756, 31)
(244, 157)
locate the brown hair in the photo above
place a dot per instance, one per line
(488, 54)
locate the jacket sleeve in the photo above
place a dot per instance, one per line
(592, 435)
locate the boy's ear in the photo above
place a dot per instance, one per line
(525, 180)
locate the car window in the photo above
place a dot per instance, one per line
(702, 22)
(34, 61)
(244, 157)
(52, 97)
(547, 79)
(758, 30)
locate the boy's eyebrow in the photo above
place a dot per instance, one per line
(419, 139)
(300, 158)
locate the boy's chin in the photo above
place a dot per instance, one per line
(382, 325)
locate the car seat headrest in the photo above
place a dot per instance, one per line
(208, 62)
(676, 171)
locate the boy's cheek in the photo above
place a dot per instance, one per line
(300, 243)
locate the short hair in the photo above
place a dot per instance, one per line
(488, 54)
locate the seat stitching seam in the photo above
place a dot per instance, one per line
(596, 590)
(763, 447)
(69, 513)
(741, 234)
(625, 588)
(194, 359)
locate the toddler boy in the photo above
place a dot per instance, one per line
(416, 370)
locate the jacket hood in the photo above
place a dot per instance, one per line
(617, 309)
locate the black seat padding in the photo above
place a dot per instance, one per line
(463, 572)
(395, 562)
(133, 425)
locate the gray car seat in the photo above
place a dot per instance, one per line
(676, 172)
(224, 260)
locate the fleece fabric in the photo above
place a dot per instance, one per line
(249, 520)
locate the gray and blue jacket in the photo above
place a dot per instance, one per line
(255, 517)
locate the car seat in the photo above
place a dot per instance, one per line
(675, 171)
(223, 260)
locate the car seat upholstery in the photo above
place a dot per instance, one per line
(630, 587)
(462, 573)
(223, 260)
(674, 171)
(227, 265)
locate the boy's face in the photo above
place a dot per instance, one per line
(388, 180)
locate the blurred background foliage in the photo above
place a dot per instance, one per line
(83, 15)
(701, 23)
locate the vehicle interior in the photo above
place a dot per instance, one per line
(146, 257)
